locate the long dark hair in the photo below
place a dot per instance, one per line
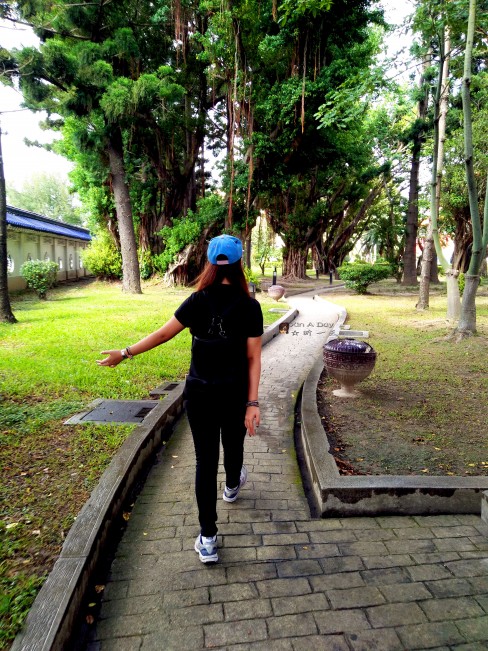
(213, 274)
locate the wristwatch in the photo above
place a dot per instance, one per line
(124, 354)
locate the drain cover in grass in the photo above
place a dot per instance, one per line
(115, 411)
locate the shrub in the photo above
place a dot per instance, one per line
(252, 277)
(461, 282)
(40, 275)
(102, 258)
(359, 275)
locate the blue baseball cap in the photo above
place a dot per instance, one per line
(224, 245)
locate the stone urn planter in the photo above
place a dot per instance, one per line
(349, 361)
(276, 292)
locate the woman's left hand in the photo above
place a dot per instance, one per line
(252, 420)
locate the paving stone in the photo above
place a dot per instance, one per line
(182, 598)
(461, 531)
(474, 567)
(409, 546)
(450, 588)
(298, 568)
(396, 521)
(341, 621)
(425, 636)
(233, 592)
(385, 576)
(474, 629)
(238, 554)
(189, 637)
(340, 581)
(233, 633)
(327, 524)
(471, 646)
(335, 535)
(130, 606)
(247, 609)
(299, 604)
(388, 560)
(283, 587)
(435, 557)
(449, 609)
(292, 625)
(251, 540)
(380, 640)
(413, 533)
(286, 539)
(359, 523)
(341, 564)
(405, 592)
(276, 552)
(251, 572)
(428, 572)
(454, 544)
(355, 597)
(320, 643)
(266, 645)
(119, 644)
(362, 549)
(395, 615)
(316, 550)
(274, 527)
(197, 615)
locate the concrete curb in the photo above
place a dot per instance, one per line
(339, 495)
(55, 614)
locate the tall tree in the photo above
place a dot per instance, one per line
(467, 320)
(48, 195)
(6, 313)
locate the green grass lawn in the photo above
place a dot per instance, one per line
(48, 372)
(424, 409)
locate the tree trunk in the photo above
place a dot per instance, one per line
(453, 295)
(434, 271)
(467, 320)
(427, 255)
(6, 314)
(409, 256)
(294, 263)
(131, 281)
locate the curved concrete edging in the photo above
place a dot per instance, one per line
(339, 495)
(54, 616)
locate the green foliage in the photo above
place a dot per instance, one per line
(17, 594)
(252, 277)
(102, 258)
(40, 275)
(187, 230)
(359, 275)
(47, 195)
(461, 282)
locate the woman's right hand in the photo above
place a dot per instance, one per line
(114, 358)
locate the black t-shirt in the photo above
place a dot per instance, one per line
(221, 318)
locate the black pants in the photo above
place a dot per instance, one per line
(214, 412)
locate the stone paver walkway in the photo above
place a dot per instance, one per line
(286, 581)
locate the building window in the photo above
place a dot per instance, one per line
(29, 257)
(10, 264)
(81, 263)
(46, 257)
(60, 264)
(71, 261)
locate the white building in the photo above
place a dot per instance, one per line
(33, 237)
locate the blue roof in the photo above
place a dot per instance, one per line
(34, 222)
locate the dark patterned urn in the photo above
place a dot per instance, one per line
(349, 361)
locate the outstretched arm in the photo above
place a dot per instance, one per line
(165, 333)
(252, 418)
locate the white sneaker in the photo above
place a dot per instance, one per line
(230, 494)
(206, 549)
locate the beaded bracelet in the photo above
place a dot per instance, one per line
(252, 403)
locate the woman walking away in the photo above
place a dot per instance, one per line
(221, 390)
